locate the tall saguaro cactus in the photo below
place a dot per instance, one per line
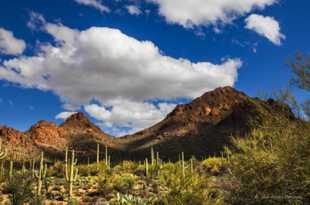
(152, 156)
(33, 166)
(146, 167)
(183, 164)
(192, 165)
(98, 155)
(41, 174)
(3, 152)
(71, 172)
(106, 155)
(11, 169)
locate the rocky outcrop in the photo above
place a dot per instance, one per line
(11, 135)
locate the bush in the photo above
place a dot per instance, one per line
(119, 182)
(191, 189)
(91, 169)
(213, 166)
(130, 199)
(126, 166)
(272, 166)
(20, 188)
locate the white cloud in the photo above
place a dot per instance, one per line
(265, 26)
(64, 115)
(97, 4)
(130, 114)
(9, 44)
(36, 21)
(133, 10)
(205, 12)
(106, 65)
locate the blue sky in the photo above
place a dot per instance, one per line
(132, 41)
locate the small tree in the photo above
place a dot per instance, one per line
(301, 70)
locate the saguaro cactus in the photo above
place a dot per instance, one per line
(152, 156)
(71, 172)
(24, 168)
(3, 152)
(98, 156)
(41, 174)
(11, 169)
(157, 159)
(109, 162)
(183, 164)
(146, 167)
(192, 165)
(106, 155)
(33, 166)
(2, 169)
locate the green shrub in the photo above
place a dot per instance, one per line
(91, 169)
(272, 166)
(213, 166)
(118, 182)
(131, 199)
(124, 183)
(126, 166)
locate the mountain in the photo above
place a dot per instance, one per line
(202, 127)
(76, 132)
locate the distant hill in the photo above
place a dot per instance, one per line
(202, 127)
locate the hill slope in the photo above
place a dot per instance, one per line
(202, 127)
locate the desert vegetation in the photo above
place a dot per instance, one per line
(270, 166)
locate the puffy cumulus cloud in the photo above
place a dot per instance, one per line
(205, 12)
(132, 116)
(265, 26)
(133, 10)
(97, 4)
(64, 115)
(9, 44)
(105, 65)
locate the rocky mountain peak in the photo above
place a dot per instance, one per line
(80, 121)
